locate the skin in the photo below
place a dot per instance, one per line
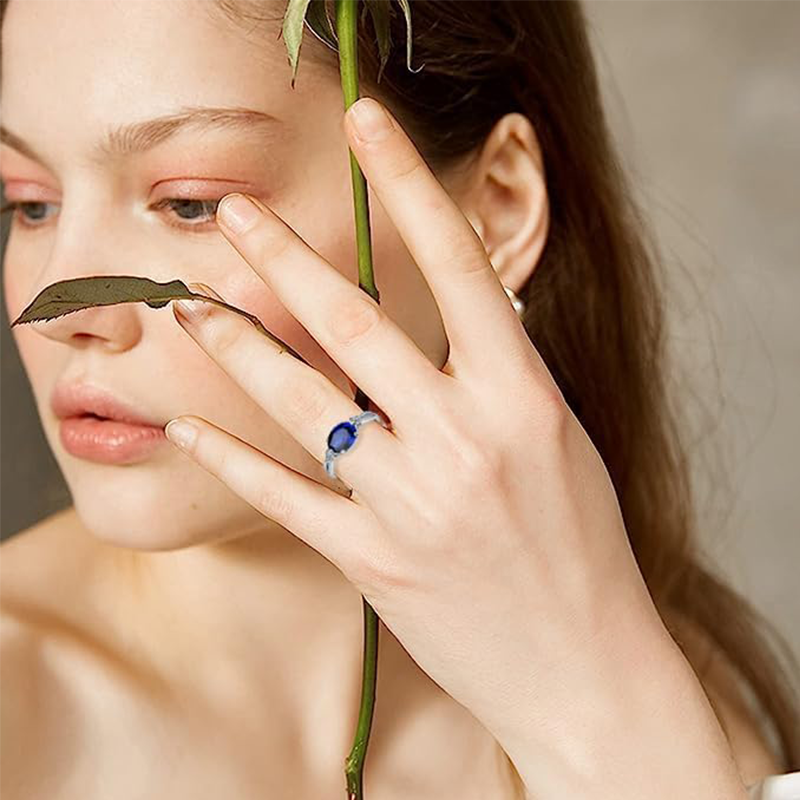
(177, 624)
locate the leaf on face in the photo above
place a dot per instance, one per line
(292, 31)
(66, 297)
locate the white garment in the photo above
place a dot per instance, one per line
(776, 787)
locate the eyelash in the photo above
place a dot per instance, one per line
(16, 205)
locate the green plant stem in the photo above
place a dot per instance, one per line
(346, 31)
(346, 19)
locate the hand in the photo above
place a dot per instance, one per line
(484, 528)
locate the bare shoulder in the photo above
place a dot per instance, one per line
(36, 562)
(54, 577)
(54, 669)
(18, 706)
(724, 689)
(30, 582)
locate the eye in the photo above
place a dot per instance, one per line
(185, 206)
(30, 213)
(22, 206)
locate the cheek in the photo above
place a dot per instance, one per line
(12, 288)
(405, 294)
(30, 345)
(22, 270)
(42, 363)
(249, 293)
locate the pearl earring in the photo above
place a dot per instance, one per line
(519, 305)
(516, 302)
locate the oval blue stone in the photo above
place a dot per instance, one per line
(342, 437)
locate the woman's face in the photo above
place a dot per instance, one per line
(72, 72)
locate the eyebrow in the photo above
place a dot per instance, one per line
(138, 137)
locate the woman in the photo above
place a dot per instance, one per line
(521, 521)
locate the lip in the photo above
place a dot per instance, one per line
(109, 441)
(77, 399)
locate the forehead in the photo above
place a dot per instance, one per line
(79, 67)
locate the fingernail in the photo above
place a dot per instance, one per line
(181, 433)
(371, 122)
(194, 311)
(237, 213)
(203, 288)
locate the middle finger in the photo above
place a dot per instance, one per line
(348, 324)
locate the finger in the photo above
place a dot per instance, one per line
(328, 522)
(300, 398)
(347, 323)
(478, 318)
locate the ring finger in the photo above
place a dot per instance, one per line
(300, 398)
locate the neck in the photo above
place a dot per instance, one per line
(259, 608)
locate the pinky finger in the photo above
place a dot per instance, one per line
(319, 516)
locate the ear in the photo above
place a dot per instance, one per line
(505, 199)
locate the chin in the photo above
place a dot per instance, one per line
(172, 520)
(142, 528)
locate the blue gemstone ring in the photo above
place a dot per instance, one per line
(344, 435)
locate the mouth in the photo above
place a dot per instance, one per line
(90, 436)
(122, 419)
(89, 417)
(85, 401)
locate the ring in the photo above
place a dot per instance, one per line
(344, 435)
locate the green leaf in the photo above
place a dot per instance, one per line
(76, 294)
(316, 14)
(321, 24)
(407, 11)
(65, 297)
(380, 13)
(292, 31)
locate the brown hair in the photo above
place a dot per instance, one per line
(594, 307)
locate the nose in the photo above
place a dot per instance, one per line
(93, 236)
(114, 328)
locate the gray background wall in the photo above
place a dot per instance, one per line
(704, 98)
